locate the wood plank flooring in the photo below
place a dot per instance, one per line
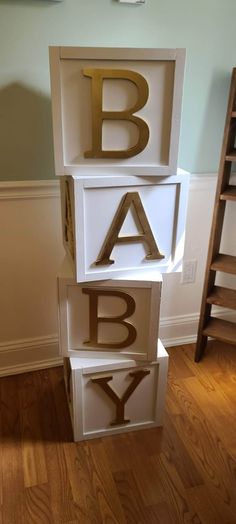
(184, 472)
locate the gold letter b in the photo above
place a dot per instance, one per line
(98, 115)
(94, 319)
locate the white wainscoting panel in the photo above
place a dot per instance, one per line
(32, 251)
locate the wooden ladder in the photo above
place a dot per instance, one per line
(210, 326)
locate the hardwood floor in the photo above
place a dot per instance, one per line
(184, 472)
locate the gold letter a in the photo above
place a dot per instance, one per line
(113, 238)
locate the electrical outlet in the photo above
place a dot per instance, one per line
(189, 271)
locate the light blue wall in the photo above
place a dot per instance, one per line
(27, 27)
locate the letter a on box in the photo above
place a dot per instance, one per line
(125, 224)
(145, 236)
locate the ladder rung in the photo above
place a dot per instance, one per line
(222, 296)
(221, 330)
(231, 156)
(224, 263)
(229, 193)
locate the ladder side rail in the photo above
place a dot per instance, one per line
(217, 219)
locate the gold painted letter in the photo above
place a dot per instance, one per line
(94, 319)
(120, 402)
(98, 115)
(113, 238)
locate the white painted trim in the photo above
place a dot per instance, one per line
(22, 351)
(206, 177)
(18, 356)
(171, 326)
(179, 341)
(31, 189)
(51, 188)
(26, 343)
(30, 366)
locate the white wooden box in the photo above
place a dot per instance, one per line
(116, 318)
(109, 396)
(116, 110)
(100, 246)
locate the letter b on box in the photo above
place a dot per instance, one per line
(112, 317)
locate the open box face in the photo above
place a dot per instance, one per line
(124, 224)
(111, 317)
(112, 396)
(116, 110)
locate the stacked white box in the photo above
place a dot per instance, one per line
(156, 207)
(96, 93)
(139, 361)
(116, 120)
(97, 391)
(115, 318)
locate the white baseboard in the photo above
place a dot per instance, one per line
(20, 356)
(179, 330)
(30, 354)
